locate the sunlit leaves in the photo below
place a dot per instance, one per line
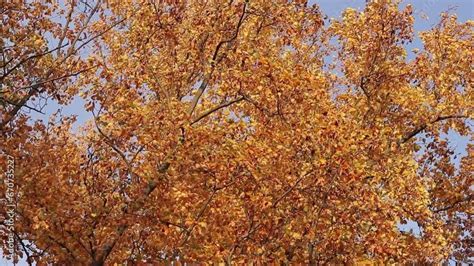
(221, 132)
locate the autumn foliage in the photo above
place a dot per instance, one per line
(236, 132)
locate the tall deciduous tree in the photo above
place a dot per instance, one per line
(250, 131)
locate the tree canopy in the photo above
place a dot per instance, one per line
(235, 132)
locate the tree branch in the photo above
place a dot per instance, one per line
(288, 191)
(25, 105)
(199, 93)
(466, 199)
(207, 77)
(198, 217)
(38, 84)
(423, 127)
(163, 167)
(27, 59)
(214, 109)
(17, 107)
(84, 26)
(70, 52)
(137, 205)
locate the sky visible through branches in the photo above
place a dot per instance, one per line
(426, 16)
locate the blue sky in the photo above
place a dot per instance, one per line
(426, 15)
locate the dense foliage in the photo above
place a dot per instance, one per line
(235, 131)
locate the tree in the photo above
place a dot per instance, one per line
(253, 131)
